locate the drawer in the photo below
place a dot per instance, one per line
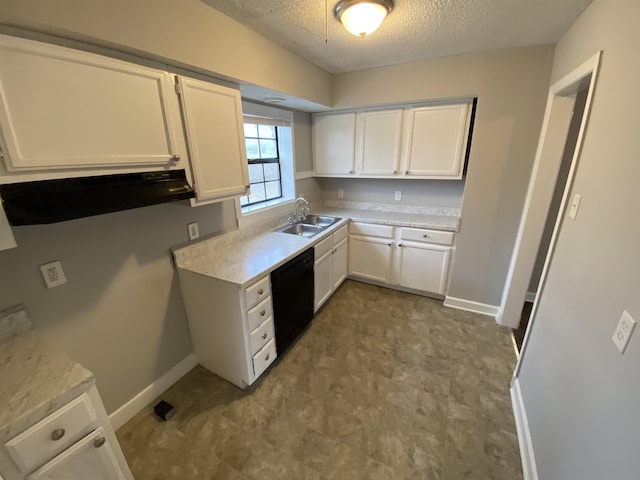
(264, 357)
(52, 435)
(258, 291)
(323, 247)
(371, 230)
(429, 236)
(340, 234)
(261, 335)
(259, 313)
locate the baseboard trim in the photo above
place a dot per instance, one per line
(524, 435)
(470, 306)
(530, 297)
(127, 411)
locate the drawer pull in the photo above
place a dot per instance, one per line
(57, 434)
(399, 244)
(425, 236)
(264, 336)
(267, 357)
(261, 291)
(98, 442)
(406, 172)
(262, 313)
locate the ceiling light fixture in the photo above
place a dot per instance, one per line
(362, 17)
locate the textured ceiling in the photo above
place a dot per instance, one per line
(415, 29)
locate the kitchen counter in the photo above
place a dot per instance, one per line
(243, 256)
(34, 379)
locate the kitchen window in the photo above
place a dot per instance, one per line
(268, 133)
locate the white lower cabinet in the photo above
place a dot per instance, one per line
(76, 442)
(232, 328)
(412, 258)
(330, 267)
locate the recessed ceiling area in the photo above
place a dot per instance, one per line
(415, 29)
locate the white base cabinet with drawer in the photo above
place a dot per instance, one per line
(330, 267)
(74, 442)
(411, 258)
(231, 328)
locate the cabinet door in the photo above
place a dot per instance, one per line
(339, 267)
(322, 279)
(370, 258)
(215, 135)
(423, 267)
(435, 140)
(379, 136)
(334, 144)
(90, 458)
(62, 108)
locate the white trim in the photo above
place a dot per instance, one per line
(303, 175)
(527, 456)
(471, 306)
(530, 297)
(127, 411)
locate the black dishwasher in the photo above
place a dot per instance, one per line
(292, 294)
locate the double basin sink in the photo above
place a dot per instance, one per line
(310, 226)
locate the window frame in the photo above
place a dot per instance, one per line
(263, 161)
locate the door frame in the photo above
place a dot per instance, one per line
(530, 230)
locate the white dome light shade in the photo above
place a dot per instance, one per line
(362, 18)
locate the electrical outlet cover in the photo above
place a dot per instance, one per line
(623, 331)
(53, 274)
(193, 231)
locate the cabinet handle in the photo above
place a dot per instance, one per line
(175, 158)
(425, 236)
(98, 442)
(264, 336)
(395, 172)
(57, 434)
(267, 357)
(388, 244)
(261, 291)
(262, 313)
(399, 244)
(350, 172)
(406, 172)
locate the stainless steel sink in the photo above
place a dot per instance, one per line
(302, 230)
(320, 220)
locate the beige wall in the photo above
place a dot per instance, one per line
(185, 33)
(581, 395)
(511, 86)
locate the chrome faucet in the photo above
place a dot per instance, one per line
(297, 217)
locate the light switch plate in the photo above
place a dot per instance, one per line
(192, 228)
(398, 195)
(575, 204)
(53, 274)
(623, 331)
(340, 193)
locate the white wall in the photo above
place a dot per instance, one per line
(581, 395)
(511, 86)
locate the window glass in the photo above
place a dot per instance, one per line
(264, 164)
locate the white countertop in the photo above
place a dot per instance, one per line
(243, 256)
(34, 379)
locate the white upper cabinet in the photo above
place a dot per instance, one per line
(334, 140)
(64, 109)
(435, 141)
(428, 142)
(215, 135)
(379, 138)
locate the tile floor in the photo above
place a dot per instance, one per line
(383, 385)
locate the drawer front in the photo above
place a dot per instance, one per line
(261, 335)
(259, 313)
(52, 435)
(371, 230)
(429, 236)
(323, 247)
(264, 358)
(258, 291)
(340, 235)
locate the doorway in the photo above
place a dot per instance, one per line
(563, 129)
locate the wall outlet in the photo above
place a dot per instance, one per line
(398, 195)
(53, 274)
(192, 228)
(340, 193)
(623, 331)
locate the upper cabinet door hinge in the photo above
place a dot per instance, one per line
(177, 86)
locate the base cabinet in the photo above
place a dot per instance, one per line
(330, 267)
(411, 258)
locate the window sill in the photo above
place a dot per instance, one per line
(263, 212)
